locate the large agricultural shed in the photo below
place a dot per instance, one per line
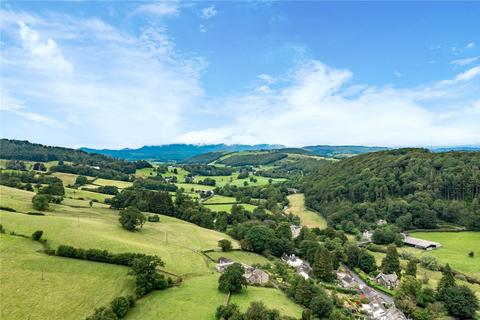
(420, 243)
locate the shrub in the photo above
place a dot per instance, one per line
(153, 218)
(103, 313)
(120, 306)
(2, 229)
(37, 235)
(40, 202)
(471, 254)
(130, 218)
(225, 244)
(429, 262)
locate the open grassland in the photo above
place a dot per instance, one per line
(175, 241)
(261, 181)
(309, 218)
(67, 178)
(249, 258)
(454, 250)
(86, 195)
(220, 199)
(228, 207)
(116, 183)
(145, 172)
(198, 298)
(181, 173)
(37, 286)
(196, 187)
(272, 298)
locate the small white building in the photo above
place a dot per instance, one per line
(295, 230)
(292, 260)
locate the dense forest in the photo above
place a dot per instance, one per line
(413, 188)
(255, 159)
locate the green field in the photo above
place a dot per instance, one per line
(454, 250)
(145, 172)
(309, 218)
(198, 298)
(197, 187)
(272, 298)
(67, 178)
(228, 207)
(37, 286)
(116, 183)
(88, 195)
(220, 199)
(177, 242)
(240, 256)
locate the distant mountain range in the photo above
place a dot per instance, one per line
(178, 152)
(181, 152)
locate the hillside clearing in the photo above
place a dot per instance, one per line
(454, 250)
(309, 218)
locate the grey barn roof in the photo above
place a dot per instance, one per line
(420, 242)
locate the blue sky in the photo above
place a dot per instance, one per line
(126, 74)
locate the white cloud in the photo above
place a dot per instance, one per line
(267, 78)
(397, 74)
(208, 12)
(468, 75)
(465, 61)
(470, 45)
(15, 106)
(319, 107)
(202, 28)
(162, 8)
(43, 54)
(129, 93)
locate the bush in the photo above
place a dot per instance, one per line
(37, 235)
(429, 262)
(120, 306)
(103, 313)
(40, 202)
(124, 259)
(2, 229)
(225, 244)
(130, 218)
(153, 218)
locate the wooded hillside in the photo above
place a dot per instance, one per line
(413, 188)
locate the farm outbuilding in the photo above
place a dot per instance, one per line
(420, 243)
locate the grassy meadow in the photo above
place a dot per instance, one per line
(37, 286)
(216, 199)
(309, 218)
(249, 258)
(177, 242)
(228, 207)
(454, 250)
(74, 283)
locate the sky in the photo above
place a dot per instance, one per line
(127, 74)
